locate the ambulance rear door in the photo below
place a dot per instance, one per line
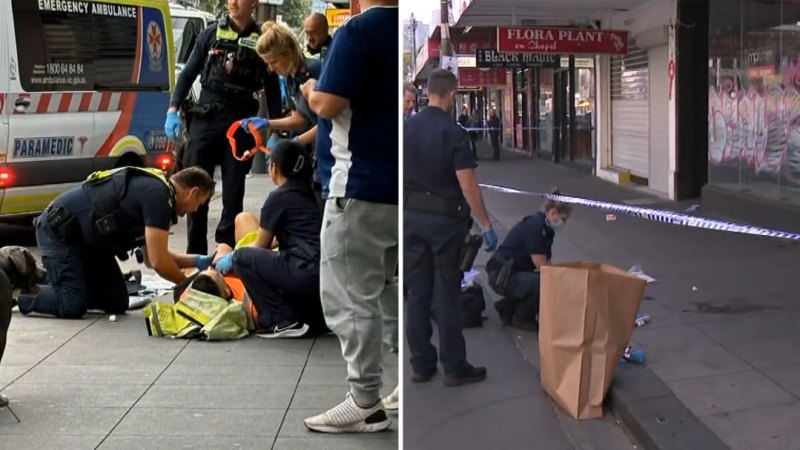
(5, 71)
(51, 129)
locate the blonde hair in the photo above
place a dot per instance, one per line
(278, 41)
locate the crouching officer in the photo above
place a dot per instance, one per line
(110, 214)
(230, 74)
(439, 194)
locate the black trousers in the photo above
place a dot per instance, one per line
(495, 138)
(207, 148)
(431, 249)
(78, 278)
(284, 288)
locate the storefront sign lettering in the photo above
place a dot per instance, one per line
(562, 40)
(470, 76)
(490, 58)
(461, 45)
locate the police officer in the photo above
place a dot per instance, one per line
(527, 247)
(230, 73)
(110, 214)
(439, 195)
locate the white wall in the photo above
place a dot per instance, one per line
(645, 21)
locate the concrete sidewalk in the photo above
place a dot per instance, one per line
(94, 384)
(723, 338)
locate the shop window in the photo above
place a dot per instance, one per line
(754, 98)
(72, 49)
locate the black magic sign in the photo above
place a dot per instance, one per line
(486, 58)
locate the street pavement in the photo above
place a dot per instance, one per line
(723, 334)
(96, 384)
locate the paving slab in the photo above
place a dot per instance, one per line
(729, 392)
(787, 377)
(699, 361)
(182, 442)
(47, 420)
(196, 423)
(766, 428)
(74, 395)
(50, 441)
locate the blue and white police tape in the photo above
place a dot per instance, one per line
(657, 215)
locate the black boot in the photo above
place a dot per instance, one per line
(471, 375)
(506, 307)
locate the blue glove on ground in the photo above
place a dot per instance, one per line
(490, 237)
(203, 262)
(258, 122)
(224, 265)
(173, 125)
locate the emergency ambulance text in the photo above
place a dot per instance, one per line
(78, 7)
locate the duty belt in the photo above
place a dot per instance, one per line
(427, 202)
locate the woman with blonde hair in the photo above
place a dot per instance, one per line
(282, 53)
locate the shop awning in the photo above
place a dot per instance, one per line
(490, 13)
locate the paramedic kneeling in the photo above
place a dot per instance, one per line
(526, 248)
(284, 285)
(110, 214)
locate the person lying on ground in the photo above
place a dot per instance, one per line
(528, 246)
(284, 284)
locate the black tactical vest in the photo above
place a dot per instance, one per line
(232, 65)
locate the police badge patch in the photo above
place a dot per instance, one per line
(155, 46)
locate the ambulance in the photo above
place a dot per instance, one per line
(84, 86)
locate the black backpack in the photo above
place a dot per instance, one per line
(472, 306)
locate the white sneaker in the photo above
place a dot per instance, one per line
(293, 330)
(392, 401)
(347, 417)
(3, 400)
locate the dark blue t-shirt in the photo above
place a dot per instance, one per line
(292, 214)
(531, 236)
(146, 204)
(361, 161)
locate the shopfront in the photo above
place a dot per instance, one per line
(754, 98)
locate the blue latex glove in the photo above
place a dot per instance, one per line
(203, 262)
(258, 122)
(490, 237)
(173, 125)
(224, 264)
(272, 142)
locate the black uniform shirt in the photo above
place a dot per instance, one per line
(434, 148)
(292, 214)
(196, 62)
(529, 237)
(146, 204)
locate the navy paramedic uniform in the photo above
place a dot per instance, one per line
(436, 221)
(284, 285)
(312, 68)
(230, 73)
(531, 236)
(82, 272)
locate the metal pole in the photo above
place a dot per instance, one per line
(413, 47)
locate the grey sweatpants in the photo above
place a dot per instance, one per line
(359, 244)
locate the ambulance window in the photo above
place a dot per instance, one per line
(74, 45)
